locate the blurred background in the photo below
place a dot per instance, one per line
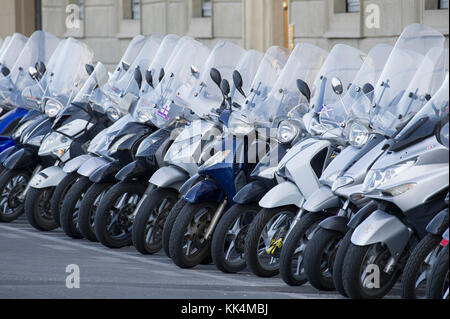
(108, 25)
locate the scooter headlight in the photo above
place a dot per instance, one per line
(239, 127)
(22, 127)
(52, 108)
(375, 178)
(287, 132)
(56, 144)
(359, 135)
(113, 113)
(217, 158)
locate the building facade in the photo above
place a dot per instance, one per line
(108, 25)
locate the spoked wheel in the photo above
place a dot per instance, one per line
(150, 219)
(188, 245)
(292, 259)
(438, 287)
(364, 273)
(12, 186)
(168, 225)
(71, 207)
(227, 247)
(265, 239)
(88, 207)
(114, 218)
(37, 208)
(319, 258)
(418, 267)
(59, 195)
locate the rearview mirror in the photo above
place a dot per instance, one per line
(138, 76)
(304, 89)
(89, 69)
(161, 75)
(237, 80)
(368, 90)
(33, 72)
(225, 87)
(336, 84)
(194, 71)
(215, 76)
(5, 71)
(149, 78)
(40, 67)
(125, 66)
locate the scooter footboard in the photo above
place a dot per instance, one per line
(169, 177)
(205, 191)
(381, 227)
(49, 177)
(286, 193)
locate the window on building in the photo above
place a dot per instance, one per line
(131, 9)
(443, 4)
(206, 8)
(80, 4)
(353, 6)
(436, 4)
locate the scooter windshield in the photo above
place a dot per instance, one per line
(425, 82)
(128, 57)
(11, 51)
(97, 79)
(163, 104)
(115, 90)
(205, 94)
(434, 111)
(39, 48)
(356, 102)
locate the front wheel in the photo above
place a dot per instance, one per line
(150, 218)
(114, 218)
(12, 186)
(168, 225)
(364, 275)
(71, 207)
(438, 285)
(59, 195)
(265, 239)
(417, 269)
(37, 208)
(227, 246)
(188, 245)
(292, 258)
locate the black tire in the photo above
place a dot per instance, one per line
(37, 208)
(319, 254)
(12, 184)
(59, 195)
(155, 206)
(88, 208)
(352, 274)
(187, 217)
(70, 210)
(339, 263)
(222, 244)
(298, 236)
(415, 266)
(438, 283)
(168, 225)
(253, 242)
(109, 219)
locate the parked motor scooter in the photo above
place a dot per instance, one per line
(438, 286)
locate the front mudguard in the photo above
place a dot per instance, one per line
(322, 199)
(169, 177)
(138, 169)
(362, 214)
(91, 165)
(286, 193)
(7, 152)
(22, 159)
(75, 163)
(381, 227)
(106, 173)
(335, 223)
(438, 224)
(6, 142)
(189, 183)
(205, 191)
(251, 193)
(49, 177)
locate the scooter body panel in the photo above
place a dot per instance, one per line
(49, 177)
(206, 190)
(252, 193)
(106, 173)
(74, 164)
(23, 158)
(169, 177)
(6, 142)
(439, 223)
(321, 199)
(7, 152)
(11, 119)
(138, 169)
(91, 165)
(335, 223)
(286, 193)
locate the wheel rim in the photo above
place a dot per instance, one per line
(424, 273)
(11, 199)
(119, 220)
(93, 210)
(156, 220)
(194, 241)
(44, 210)
(271, 240)
(327, 259)
(235, 238)
(297, 268)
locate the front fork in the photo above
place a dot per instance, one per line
(216, 218)
(35, 171)
(149, 189)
